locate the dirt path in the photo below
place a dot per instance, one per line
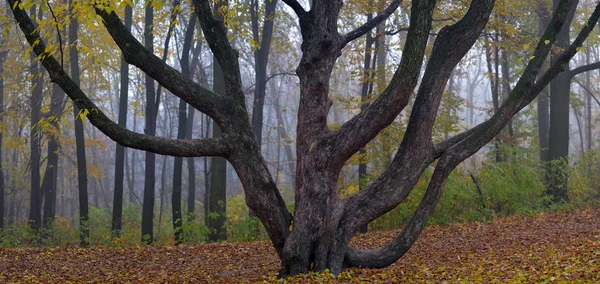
(562, 246)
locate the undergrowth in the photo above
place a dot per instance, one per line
(472, 193)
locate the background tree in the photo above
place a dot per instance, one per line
(122, 121)
(82, 181)
(37, 85)
(150, 129)
(3, 53)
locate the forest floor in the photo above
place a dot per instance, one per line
(554, 246)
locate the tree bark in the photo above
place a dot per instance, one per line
(560, 92)
(324, 224)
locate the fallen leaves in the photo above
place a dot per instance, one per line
(557, 246)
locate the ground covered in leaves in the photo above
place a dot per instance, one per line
(556, 246)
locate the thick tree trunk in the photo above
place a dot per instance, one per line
(560, 92)
(323, 224)
(120, 151)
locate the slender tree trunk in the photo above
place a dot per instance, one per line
(217, 197)
(191, 202)
(84, 234)
(3, 54)
(120, 151)
(49, 184)
(149, 180)
(588, 104)
(181, 133)
(368, 74)
(37, 81)
(543, 99)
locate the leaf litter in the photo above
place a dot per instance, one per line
(552, 246)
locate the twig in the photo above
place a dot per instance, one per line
(58, 32)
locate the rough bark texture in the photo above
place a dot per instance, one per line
(323, 224)
(122, 122)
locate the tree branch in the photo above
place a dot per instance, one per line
(364, 126)
(369, 25)
(388, 254)
(215, 33)
(182, 87)
(300, 12)
(583, 69)
(123, 136)
(525, 91)
(590, 93)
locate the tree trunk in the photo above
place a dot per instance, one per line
(120, 150)
(560, 92)
(323, 224)
(49, 183)
(588, 104)
(191, 202)
(368, 76)
(84, 233)
(3, 54)
(37, 82)
(149, 176)
(217, 196)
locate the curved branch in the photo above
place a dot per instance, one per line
(135, 53)
(388, 254)
(525, 90)
(583, 69)
(123, 136)
(300, 12)
(369, 25)
(587, 90)
(364, 126)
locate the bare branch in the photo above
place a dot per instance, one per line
(135, 53)
(215, 33)
(525, 90)
(296, 7)
(590, 93)
(123, 136)
(363, 127)
(369, 25)
(583, 69)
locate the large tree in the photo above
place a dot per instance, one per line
(317, 235)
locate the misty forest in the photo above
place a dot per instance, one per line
(325, 140)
